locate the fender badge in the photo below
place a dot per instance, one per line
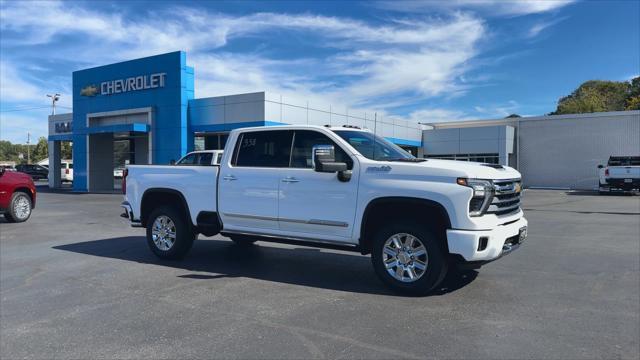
(384, 168)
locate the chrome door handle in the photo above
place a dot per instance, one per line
(290, 179)
(229, 178)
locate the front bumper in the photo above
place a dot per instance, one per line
(470, 244)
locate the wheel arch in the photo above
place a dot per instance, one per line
(392, 208)
(154, 197)
(26, 190)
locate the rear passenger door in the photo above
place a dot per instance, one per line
(248, 182)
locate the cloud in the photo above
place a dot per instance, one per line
(15, 88)
(343, 61)
(486, 7)
(537, 28)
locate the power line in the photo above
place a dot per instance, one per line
(25, 109)
(35, 108)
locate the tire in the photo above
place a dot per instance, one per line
(19, 208)
(166, 246)
(242, 240)
(427, 278)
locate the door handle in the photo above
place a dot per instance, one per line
(290, 179)
(229, 178)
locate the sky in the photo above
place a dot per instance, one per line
(421, 61)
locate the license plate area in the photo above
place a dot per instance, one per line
(522, 234)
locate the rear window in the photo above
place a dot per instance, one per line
(264, 149)
(624, 161)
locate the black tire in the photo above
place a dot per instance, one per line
(184, 234)
(437, 264)
(11, 214)
(243, 240)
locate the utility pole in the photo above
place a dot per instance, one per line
(54, 98)
(28, 148)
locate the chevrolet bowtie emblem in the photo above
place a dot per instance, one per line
(517, 187)
(90, 90)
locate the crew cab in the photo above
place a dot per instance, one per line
(622, 173)
(17, 195)
(335, 187)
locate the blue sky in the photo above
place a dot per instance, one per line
(422, 61)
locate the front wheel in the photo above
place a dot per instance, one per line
(19, 208)
(168, 234)
(408, 258)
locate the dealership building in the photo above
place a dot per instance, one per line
(144, 111)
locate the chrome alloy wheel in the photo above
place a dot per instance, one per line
(405, 257)
(163, 232)
(22, 207)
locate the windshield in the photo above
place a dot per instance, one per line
(624, 161)
(378, 149)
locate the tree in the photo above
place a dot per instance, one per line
(512, 116)
(633, 102)
(41, 150)
(598, 95)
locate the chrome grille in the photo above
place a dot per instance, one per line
(506, 197)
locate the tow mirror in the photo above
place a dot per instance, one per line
(600, 166)
(324, 159)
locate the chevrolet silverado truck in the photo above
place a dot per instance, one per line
(622, 173)
(334, 187)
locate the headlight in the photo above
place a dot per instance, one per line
(482, 195)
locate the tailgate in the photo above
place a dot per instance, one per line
(624, 172)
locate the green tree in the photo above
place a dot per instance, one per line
(633, 102)
(41, 150)
(597, 96)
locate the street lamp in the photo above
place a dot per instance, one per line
(54, 99)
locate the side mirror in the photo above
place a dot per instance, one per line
(324, 159)
(600, 166)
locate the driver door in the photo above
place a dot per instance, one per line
(314, 204)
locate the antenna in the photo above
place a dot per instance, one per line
(375, 127)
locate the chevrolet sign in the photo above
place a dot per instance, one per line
(118, 86)
(133, 84)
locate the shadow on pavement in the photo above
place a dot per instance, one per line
(596, 193)
(213, 259)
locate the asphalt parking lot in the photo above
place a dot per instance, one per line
(78, 282)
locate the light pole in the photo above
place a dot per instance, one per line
(28, 148)
(54, 98)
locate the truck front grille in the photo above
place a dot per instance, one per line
(506, 199)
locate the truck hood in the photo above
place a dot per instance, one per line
(473, 169)
(446, 168)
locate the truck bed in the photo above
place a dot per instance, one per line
(196, 183)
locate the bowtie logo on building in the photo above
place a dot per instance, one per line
(89, 90)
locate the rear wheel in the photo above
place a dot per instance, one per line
(243, 240)
(408, 258)
(19, 208)
(168, 234)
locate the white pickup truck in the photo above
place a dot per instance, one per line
(334, 187)
(622, 173)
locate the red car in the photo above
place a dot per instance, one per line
(17, 195)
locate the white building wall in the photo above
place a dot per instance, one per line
(564, 151)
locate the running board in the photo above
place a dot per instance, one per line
(295, 241)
